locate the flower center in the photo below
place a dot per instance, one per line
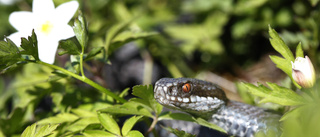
(46, 27)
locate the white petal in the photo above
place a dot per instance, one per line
(22, 20)
(65, 11)
(41, 7)
(47, 49)
(63, 32)
(16, 37)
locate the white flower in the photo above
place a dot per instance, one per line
(303, 72)
(49, 23)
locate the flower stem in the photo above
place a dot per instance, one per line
(81, 65)
(83, 78)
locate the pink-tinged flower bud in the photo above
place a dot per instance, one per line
(303, 72)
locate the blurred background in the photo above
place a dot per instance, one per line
(223, 41)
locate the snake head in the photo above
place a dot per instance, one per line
(200, 98)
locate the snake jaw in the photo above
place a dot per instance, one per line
(205, 99)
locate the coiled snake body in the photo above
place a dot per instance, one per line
(206, 100)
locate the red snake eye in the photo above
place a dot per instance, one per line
(186, 88)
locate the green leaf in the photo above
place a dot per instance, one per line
(130, 35)
(113, 32)
(60, 118)
(128, 124)
(97, 133)
(276, 94)
(146, 97)
(134, 133)
(205, 123)
(285, 66)
(30, 45)
(45, 130)
(129, 108)
(296, 112)
(82, 123)
(70, 46)
(179, 133)
(299, 51)
(29, 131)
(81, 31)
(175, 116)
(39, 130)
(13, 122)
(93, 52)
(9, 54)
(187, 117)
(278, 44)
(127, 36)
(109, 123)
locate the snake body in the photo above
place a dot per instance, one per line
(206, 100)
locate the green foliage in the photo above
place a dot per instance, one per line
(179, 133)
(30, 46)
(184, 37)
(9, 54)
(70, 46)
(146, 105)
(276, 94)
(80, 30)
(109, 123)
(283, 63)
(36, 130)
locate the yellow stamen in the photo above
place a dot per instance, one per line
(46, 27)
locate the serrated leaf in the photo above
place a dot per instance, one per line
(9, 54)
(60, 118)
(146, 94)
(39, 130)
(276, 94)
(109, 123)
(97, 133)
(29, 131)
(134, 133)
(299, 51)
(80, 30)
(45, 130)
(30, 45)
(129, 108)
(70, 46)
(285, 66)
(179, 133)
(278, 44)
(128, 124)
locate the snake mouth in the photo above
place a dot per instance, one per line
(192, 103)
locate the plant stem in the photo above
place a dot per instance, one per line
(81, 65)
(83, 78)
(153, 124)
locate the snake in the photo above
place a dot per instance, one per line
(208, 101)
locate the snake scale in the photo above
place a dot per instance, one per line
(208, 101)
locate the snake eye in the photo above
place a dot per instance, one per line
(186, 88)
